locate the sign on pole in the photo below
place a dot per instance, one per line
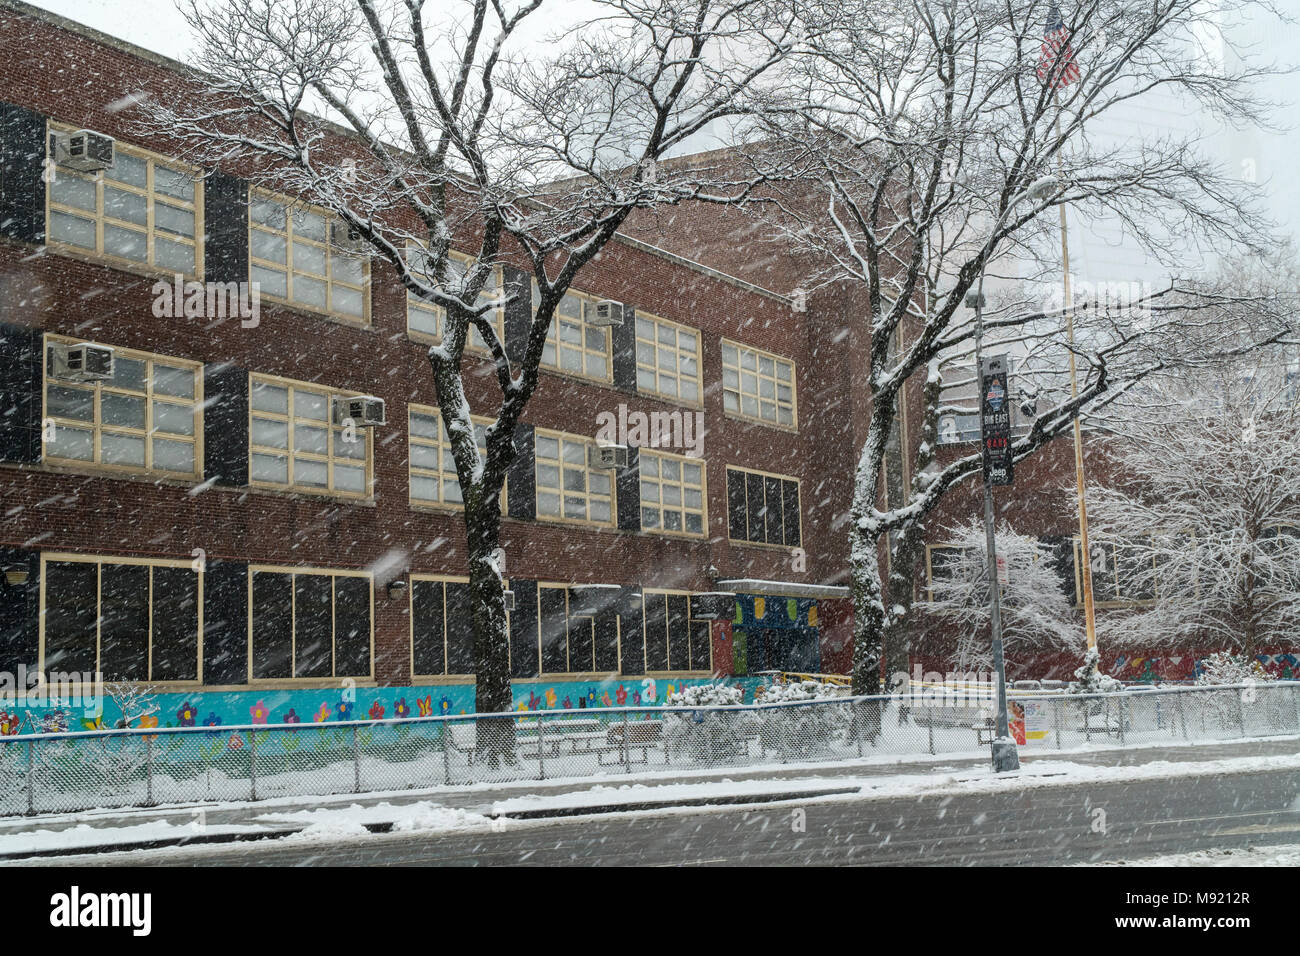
(995, 419)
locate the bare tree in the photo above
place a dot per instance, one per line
(456, 131)
(1205, 529)
(1037, 618)
(948, 144)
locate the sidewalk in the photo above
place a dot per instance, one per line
(449, 809)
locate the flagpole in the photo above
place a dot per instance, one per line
(1085, 564)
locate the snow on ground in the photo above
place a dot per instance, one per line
(83, 835)
(351, 821)
(1286, 855)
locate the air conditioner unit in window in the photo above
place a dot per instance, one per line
(345, 238)
(83, 362)
(607, 456)
(364, 411)
(85, 150)
(607, 313)
(510, 600)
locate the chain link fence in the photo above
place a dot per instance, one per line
(45, 773)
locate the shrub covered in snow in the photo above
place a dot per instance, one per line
(1226, 668)
(707, 735)
(796, 731)
(1089, 679)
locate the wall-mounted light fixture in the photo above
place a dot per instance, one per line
(396, 588)
(16, 576)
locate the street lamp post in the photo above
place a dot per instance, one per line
(1005, 756)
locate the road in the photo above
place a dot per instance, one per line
(1043, 825)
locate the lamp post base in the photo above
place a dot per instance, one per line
(1005, 756)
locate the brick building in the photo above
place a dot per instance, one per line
(201, 521)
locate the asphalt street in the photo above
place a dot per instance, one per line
(1088, 822)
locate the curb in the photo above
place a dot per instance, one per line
(715, 801)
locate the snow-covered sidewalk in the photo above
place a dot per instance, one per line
(353, 816)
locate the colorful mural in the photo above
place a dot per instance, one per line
(324, 705)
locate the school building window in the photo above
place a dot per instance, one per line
(570, 642)
(673, 642)
(293, 260)
(145, 210)
(667, 359)
(573, 344)
(295, 444)
(568, 488)
(1121, 574)
(427, 322)
(127, 619)
(146, 418)
(672, 494)
(758, 385)
(762, 508)
(442, 627)
(433, 479)
(306, 623)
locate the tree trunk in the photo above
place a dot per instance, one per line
(492, 691)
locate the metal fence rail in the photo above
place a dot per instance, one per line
(43, 773)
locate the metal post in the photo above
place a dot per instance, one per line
(148, 770)
(1119, 705)
(1182, 714)
(1241, 713)
(1057, 706)
(446, 759)
(930, 729)
(1003, 747)
(252, 764)
(541, 749)
(356, 761)
(31, 777)
(627, 766)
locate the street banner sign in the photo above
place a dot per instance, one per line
(995, 419)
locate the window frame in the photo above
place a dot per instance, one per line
(678, 328)
(645, 634)
(413, 470)
(294, 572)
(96, 426)
(152, 197)
(290, 452)
(594, 673)
(1118, 600)
(586, 300)
(765, 474)
(738, 368)
(681, 460)
(290, 206)
(444, 579)
(439, 313)
(99, 560)
(539, 490)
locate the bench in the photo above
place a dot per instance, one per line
(641, 736)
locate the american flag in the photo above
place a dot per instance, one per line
(1056, 62)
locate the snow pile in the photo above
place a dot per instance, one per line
(342, 822)
(1285, 855)
(796, 690)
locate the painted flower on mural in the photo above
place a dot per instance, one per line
(400, 709)
(148, 722)
(591, 697)
(292, 717)
(551, 697)
(376, 711)
(259, 713)
(568, 704)
(620, 695)
(94, 723)
(212, 721)
(187, 715)
(636, 698)
(9, 724)
(236, 742)
(444, 705)
(323, 714)
(343, 709)
(54, 722)
(605, 699)
(425, 705)
(534, 702)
